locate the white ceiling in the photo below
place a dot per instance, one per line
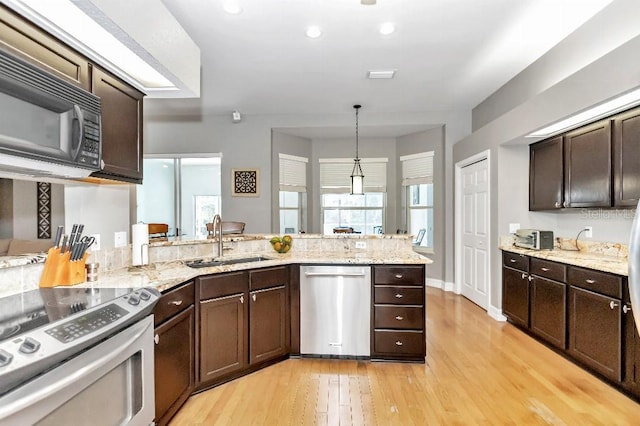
(449, 54)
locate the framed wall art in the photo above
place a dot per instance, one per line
(245, 182)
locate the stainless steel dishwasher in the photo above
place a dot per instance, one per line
(335, 310)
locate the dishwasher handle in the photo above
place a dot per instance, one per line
(334, 274)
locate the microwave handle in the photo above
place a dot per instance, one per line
(77, 135)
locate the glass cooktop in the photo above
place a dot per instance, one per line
(20, 313)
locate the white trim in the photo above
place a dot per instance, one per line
(350, 160)
(418, 155)
(496, 313)
(293, 157)
(484, 155)
(435, 283)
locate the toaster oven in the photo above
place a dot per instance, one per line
(534, 239)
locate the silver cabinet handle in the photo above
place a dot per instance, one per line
(156, 339)
(253, 296)
(613, 304)
(557, 204)
(398, 276)
(626, 308)
(565, 204)
(512, 260)
(590, 281)
(398, 343)
(241, 299)
(545, 269)
(524, 276)
(399, 318)
(530, 278)
(176, 302)
(399, 296)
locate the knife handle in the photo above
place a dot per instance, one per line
(58, 235)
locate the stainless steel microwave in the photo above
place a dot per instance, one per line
(534, 239)
(47, 126)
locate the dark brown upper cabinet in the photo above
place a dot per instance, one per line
(626, 159)
(121, 128)
(546, 174)
(587, 166)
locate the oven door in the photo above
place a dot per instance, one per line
(111, 383)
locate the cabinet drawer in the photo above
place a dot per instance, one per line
(548, 269)
(402, 317)
(600, 282)
(173, 302)
(399, 342)
(516, 261)
(396, 295)
(223, 285)
(270, 277)
(402, 274)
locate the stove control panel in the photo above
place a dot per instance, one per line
(27, 355)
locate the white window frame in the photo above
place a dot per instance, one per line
(417, 169)
(293, 178)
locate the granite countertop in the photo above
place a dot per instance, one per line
(597, 261)
(166, 275)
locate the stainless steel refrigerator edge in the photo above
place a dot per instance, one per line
(634, 268)
(335, 310)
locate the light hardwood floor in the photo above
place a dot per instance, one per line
(477, 372)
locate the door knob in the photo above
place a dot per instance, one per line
(613, 304)
(626, 309)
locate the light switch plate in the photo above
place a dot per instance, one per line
(120, 239)
(96, 244)
(513, 227)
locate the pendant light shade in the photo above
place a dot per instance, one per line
(357, 177)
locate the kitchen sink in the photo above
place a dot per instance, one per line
(206, 263)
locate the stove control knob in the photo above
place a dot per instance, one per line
(29, 346)
(134, 300)
(5, 358)
(145, 295)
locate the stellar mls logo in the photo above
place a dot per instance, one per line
(595, 214)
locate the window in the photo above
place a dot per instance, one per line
(363, 213)
(181, 192)
(293, 193)
(417, 178)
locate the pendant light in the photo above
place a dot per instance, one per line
(357, 177)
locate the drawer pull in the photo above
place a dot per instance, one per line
(557, 204)
(613, 304)
(399, 296)
(626, 309)
(398, 343)
(512, 260)
(398, 276)
(176, 302)
(399, 318)
(253, 296)
(156, 339)
(590, 281)
(241, 299)
(545, 269)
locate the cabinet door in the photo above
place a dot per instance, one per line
(267, 324)
(546, 175)
(21, 38)
(121, 128)
(595, 331)
(549, 310)
(515, 296)
(174, 359)
(587, 166)
(626, 159)
(223, 336)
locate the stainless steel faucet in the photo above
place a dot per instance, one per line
(217, 229)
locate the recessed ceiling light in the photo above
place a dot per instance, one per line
(232, 8)
(381, 74)
(314, 31)
(387, 28)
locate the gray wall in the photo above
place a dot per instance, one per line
(614, 73)
(25, 209)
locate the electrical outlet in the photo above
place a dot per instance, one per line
(120, 239)
(361, 244)
(96, 244)
(513, 227)
(588, 231)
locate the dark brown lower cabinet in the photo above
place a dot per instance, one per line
(549, 310)
(223, 336)
(267, 324)
(595, 330)
(515, 296)
(174, 364)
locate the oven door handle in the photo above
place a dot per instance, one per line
(45, 391)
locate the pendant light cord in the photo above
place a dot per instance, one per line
(357, 107)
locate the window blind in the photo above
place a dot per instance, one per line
(417, 168)
(293, 173)
(335, 174)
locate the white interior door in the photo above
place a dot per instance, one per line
(475, 232)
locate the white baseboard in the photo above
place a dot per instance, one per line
(445, 286)
(496, 314)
